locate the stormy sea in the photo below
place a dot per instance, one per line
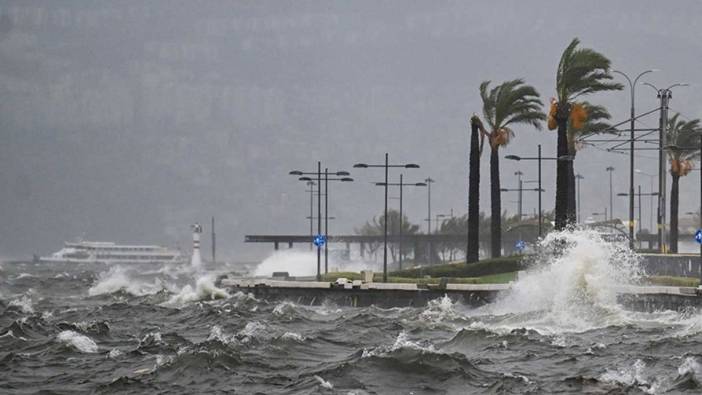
(170, 329)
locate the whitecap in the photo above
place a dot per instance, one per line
(204, 289)
(293, 336)
(324, 383)
(78, 341)
(118, 278)
(114, 353)
(24, 303)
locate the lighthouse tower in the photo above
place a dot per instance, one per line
(196, 260)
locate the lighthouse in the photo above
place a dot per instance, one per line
(196, 260)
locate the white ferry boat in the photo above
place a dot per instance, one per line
(111, 253)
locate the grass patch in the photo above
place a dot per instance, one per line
(673, 281)
(501, 278)
(483, 268)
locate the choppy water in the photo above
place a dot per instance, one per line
(75, 329)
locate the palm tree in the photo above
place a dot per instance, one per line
(580, 72)
(684, 140)
(473, 246)
(510, 103)
(594, 123)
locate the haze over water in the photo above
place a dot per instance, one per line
(129, 329)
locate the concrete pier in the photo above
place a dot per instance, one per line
(386, 295)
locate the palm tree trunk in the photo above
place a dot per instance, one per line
(571, 215)
(674, 205)
(562, 182)
(473, 247)
(496, 205)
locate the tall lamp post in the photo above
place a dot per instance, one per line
(519, 175)
(429, 181)
(386, 166)
(326, 208)
(664, 95)
(639, 194)
(539, 158)
(610, 170)
(579, 177)
(651, 177)
(632, 86)
(401, 184)
(311, 184)
(319, 239)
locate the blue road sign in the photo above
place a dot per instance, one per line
(520, 245)
(319, 240)
(698, 236)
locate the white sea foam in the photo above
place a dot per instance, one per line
(118, 278)
(204, 290)
(293, 336)
(78, 341)
(571, 290)
(324, 383)
(402, 341)
(24, 303)
(253, 330)
(114, 353)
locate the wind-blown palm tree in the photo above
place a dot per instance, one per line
(510, 103)
(595, 123)
(684, 141)
(581, 71)
(473, 245)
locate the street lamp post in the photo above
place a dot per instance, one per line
(401, 184)
(579, 177)
(610, 170)
(539, 158)
(429, 181)
(311, 184)
(632, 86)
(519, 174)
(326, 208)
(664, 95)
(639, 194)
(385, 233)
(651, 177)
(318, 173)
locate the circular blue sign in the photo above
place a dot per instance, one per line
(319, 240)
(520, 245)
(698, 236)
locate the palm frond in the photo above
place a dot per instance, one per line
(581, 72)
(512, 102)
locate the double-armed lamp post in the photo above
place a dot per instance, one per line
(400, 184)
(538, 158)
(632, 87)
(321, 239)
(386, 166)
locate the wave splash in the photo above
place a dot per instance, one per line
(573, 287)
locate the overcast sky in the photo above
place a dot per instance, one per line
(129, 120)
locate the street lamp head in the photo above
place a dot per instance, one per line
(360, 166)
(429, 180)
(513, 157)
(611, 168)
(518, 173)
(346, 179)
(412, 166)
(380, 184)
(420, 184)
(343, 173)
(622, 194)
(504, 190)
(305, 179)
(295, 173)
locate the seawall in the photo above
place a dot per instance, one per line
(386, 295)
